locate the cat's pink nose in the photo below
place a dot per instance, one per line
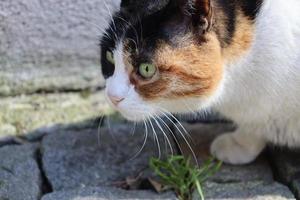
(115, 100)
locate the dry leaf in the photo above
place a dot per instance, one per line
(158, 187)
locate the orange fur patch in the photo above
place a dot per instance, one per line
(242, 39)
(189, 70)
(192, 69)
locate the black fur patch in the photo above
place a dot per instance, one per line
(144, 23)
(250, 7)
(143, 30)
(229, 9)
(144, 6)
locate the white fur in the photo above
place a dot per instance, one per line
(260, 92)
(118, 85)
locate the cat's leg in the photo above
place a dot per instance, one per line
(239, 147)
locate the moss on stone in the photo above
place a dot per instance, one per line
(22, 114)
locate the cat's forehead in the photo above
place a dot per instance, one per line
(143, 27)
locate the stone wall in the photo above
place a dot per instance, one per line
(51, 45)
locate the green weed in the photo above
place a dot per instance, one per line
(177, 173)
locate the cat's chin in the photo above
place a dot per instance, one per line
(133, 116)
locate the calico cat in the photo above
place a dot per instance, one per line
(238, 57)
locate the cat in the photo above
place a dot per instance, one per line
(238, 57)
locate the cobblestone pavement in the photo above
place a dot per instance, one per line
(82, 161)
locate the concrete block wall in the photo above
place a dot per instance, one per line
(51, 45)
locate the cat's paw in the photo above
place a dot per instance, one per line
(233, 149)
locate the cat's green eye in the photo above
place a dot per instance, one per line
(147, 70)
(110, 57)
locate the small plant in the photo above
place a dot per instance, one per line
(179, 174)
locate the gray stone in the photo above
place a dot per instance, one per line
(20, 177)
(106, 194)
(259, 170)
(256, 190)
(51, 45)
(94, 157)
(39, 133)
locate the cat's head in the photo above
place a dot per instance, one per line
(163, 56)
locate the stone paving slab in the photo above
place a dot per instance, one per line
(101, 193)
(254, 190)
(94, 157)
(257, 171)
(20, 177)
(214, 191)
(75, 161)
(87, 163)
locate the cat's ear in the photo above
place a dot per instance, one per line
(201, 12)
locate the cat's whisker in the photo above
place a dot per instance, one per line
(183, 136)
(102, 30)
(134, 127)
(114, 32)
(99, 130)
(106, 35)
(112, 20)
(165, 142)
(135, 31)
(172, 133)
(165, 135)
(144, 142)
(109, 127)
(172, 122)
(156, 138)
(110, 14)
(179, 123)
